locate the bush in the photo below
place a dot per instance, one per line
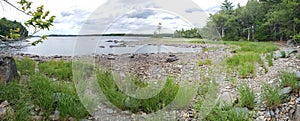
(247, 97)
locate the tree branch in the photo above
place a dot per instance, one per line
(16, 7)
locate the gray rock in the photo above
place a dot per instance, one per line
(110, 111)
(285, 91)
(297, 113)
(298, 75)
(291, 42)
(290, 51)
(8, 69)
(242, 111)
(226, 98)
(171, 59)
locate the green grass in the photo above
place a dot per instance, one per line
(256, 47)
(289, 80)
(283, 54)
(124, 102)
(26, 66)
(227, 113)
(298, 56)
(247, 97)
(269, 58)
(204, 62)
(244, 63)
(57, 69)
(271, 96)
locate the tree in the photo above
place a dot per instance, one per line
(40, 20)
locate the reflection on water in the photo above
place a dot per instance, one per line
(69, 46)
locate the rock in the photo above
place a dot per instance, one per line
(6, 110)
(288, 52)
(109, 41)
(243, 112)
(172, 59)
(226, 99)
(297, 113)
(278, 54)
(298, 75)
(101, 46)
(285, 91)
(120, 45)
(8, 69)
(110, 111)
(290, 42)
(111, 58)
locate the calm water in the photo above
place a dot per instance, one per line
(69, 46)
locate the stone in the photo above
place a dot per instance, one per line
(110, 111)
(171, 59)
(6, 110)
(243, 112)
(291, 42)
(111, 58)
(101, 46)
(298, 75)
(226, 98)
(297, 113)
(8, 69)
(288, 52)
(285, 91)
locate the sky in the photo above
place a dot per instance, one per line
(121, 16)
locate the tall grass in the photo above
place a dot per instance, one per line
(125, 102)
(244, 63)
(57, 69)
(26, 66)
(247, 97)
(289, 80)
(271, 95)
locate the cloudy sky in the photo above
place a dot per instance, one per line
(121, 16)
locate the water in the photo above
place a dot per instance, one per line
(87, 45)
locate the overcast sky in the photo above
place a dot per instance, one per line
(121, 16)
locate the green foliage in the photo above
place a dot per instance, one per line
(12, 29)
(192, 33)
(289, 80)
(258, 20)
(247, 97)
(244, 63)
(124, 102)
(204, 62)
(57, 69)
(298, 56)
(271, 95)
(26, 66)
(283, 54)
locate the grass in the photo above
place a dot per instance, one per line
(26, 66)
(298, 56)
(227, 113)
(204, 62)
(269, 58)
(289, 80)
(43, 92)
(247, 97)
(57, 69)
(244, 63)
(256, 47)
(271, 96)
(124, 102)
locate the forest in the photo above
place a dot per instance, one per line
(263, 20)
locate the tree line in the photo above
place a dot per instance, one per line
(264, 20)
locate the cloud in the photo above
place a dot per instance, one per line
(191, 10)
(141, 14)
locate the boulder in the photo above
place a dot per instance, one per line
(296, 116)
(8, 69)
(285, 91)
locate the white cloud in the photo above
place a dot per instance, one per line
(71, 14)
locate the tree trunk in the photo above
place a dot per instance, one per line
(249, 34)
